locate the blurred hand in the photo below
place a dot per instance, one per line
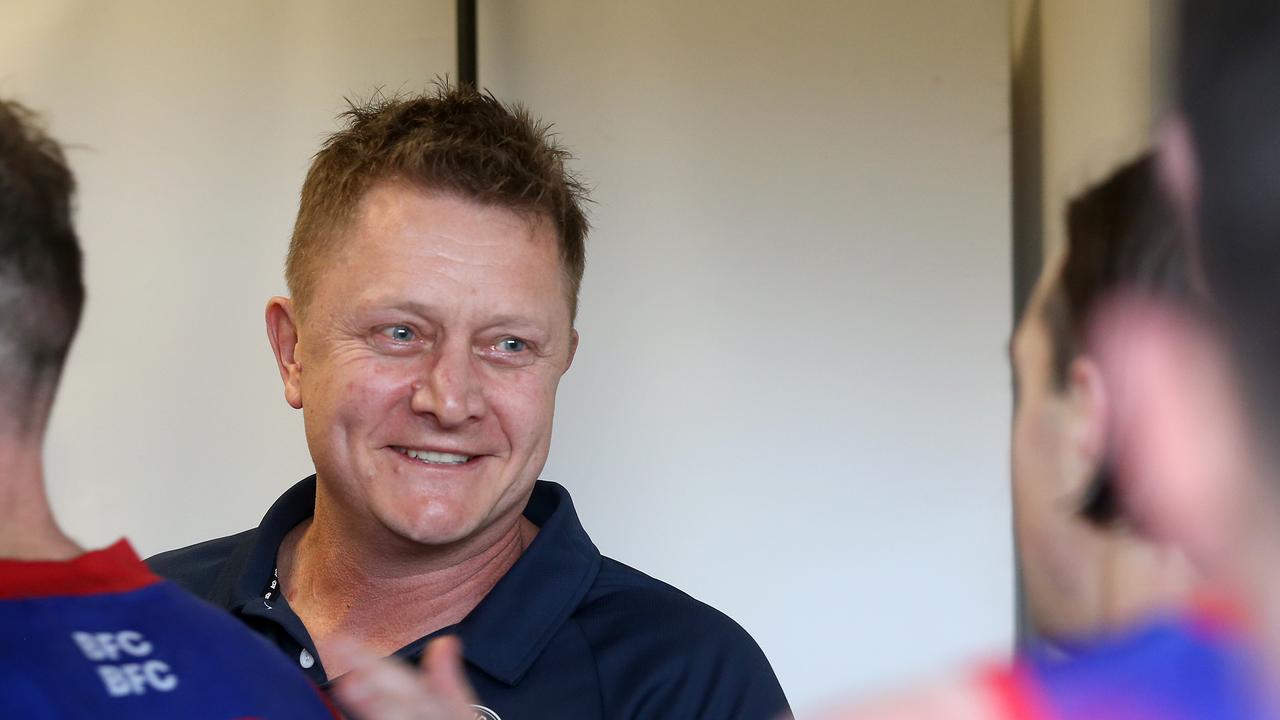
(378, 688)
(953, 700)
(1179, 428)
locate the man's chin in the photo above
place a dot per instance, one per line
(433, 511)
(441, 523)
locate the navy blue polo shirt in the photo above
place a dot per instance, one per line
(566, 633)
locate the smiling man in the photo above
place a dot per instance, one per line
(434, 274)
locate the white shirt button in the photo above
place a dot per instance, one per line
(305, 659)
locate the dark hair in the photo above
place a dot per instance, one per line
(1121, 235)
(41, 291)
(455, 140)
(1229, 88)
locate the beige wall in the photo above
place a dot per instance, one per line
(1083, 73)
(791, 398)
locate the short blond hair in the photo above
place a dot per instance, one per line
(453, 139)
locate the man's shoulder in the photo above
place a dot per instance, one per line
(621, 592)
(625, 601)
(197, 568)
(640, 627)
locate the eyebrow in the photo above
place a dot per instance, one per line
(508, 320)
(414, 307)
(517, 322)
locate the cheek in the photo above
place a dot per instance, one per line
(362, 393)
(1036, 469)
(524, 406)
(1028, 443)
(1038, 433)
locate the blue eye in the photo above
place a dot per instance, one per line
(512, 345)
(399, 333)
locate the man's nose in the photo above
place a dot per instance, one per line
(450, 387)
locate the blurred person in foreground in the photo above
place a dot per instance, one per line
(1196, 411)
(91, 633)
(1194, 415)
(1095, 575)
(434, 274)
(1086, 568)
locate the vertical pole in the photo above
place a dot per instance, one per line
(1028, 222)
(467, 75)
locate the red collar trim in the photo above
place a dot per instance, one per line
(1014, 693)
(110, 570)
(1219, 612)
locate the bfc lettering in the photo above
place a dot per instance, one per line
(125, 665)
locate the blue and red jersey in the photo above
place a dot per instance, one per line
(1192, 667)
(101, 636)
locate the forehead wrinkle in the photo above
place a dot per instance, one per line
(424, 240)
(399, 194)
(396, 194)
(464, 246)
(447, 293)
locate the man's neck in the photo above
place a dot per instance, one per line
(341, 584)
(1142, 577)
(27, 528)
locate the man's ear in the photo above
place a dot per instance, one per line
(573, 348)
(1089, 405)
(282, 331)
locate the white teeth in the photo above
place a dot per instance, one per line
(435, 458)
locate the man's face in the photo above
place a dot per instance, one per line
(428, 361)
(1060, 554)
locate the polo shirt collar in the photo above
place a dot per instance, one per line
(257, 562)
(511, 626)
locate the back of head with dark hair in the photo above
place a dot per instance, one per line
(41, 291)
(1121, 235)
(1229, 87)
(454, 140)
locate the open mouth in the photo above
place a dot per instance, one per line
(431, 457)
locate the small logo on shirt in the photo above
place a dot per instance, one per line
(484, 713)
(138, 673)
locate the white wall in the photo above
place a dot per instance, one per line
(791, 398)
